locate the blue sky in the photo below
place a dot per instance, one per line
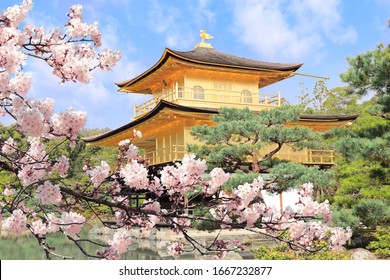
(321, 34)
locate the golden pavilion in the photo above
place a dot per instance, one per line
(186, 88)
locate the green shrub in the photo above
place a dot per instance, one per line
(382, 243)
(283, 252)
(372, 212)
(204, 225)
(344, 218)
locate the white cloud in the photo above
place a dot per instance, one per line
(203, 12)
(163, 19)
(168, 20)
(289, 30)
(323, 16)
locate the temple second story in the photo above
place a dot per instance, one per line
(207, 78)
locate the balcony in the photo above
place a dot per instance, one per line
(169, 154)
(307, 157)
(210, 98)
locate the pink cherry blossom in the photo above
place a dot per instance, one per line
(120, 242)
(49, 193)
(9, 192)
(20, 84)
(32, 173)
(9, 146)
(339, 237)
(68, 123)
(137, 133)
(248, 192)
(218, 178)
(99, 173)
(16, 13)
(129, 150)
(182, 222)
(53, 223)
(153, 206)
(325, 212)
(221, 213)
(306, 190)
(135, 175)
(251, 215)
(124, 143)
(71, 223)
(175, 249)
(16, 223)
(183, 176)
(62, 166)
(30, 117)
(107, 60)
(38, 227)
(12, 59)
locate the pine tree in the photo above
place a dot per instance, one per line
(363, 173)
(237, 140)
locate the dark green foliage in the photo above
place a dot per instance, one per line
(340, 100)
(291, 175)
(344, 218)
(370, 72)
(86, 132)
(363, 166)
(373, 212)
(204, 225)
(360, 179)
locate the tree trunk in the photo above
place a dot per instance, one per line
(255, 163)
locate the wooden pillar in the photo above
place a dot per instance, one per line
(176, 90)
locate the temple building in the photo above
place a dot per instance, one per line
(186, 88)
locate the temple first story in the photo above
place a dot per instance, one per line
(166, 131)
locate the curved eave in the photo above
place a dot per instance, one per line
(160, 106)
(313, 117)
(156, 66)
(170, 53)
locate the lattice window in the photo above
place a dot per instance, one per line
(180, 92)
(198, 92)
(222, 86)
(246, 96)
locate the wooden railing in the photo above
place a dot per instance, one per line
(305, 156)
(319, 157)
(177, 152)
(228, 98)
(270, 99)
(171, 153)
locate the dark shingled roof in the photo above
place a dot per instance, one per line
(209, 56)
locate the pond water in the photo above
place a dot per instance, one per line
(27, 248)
